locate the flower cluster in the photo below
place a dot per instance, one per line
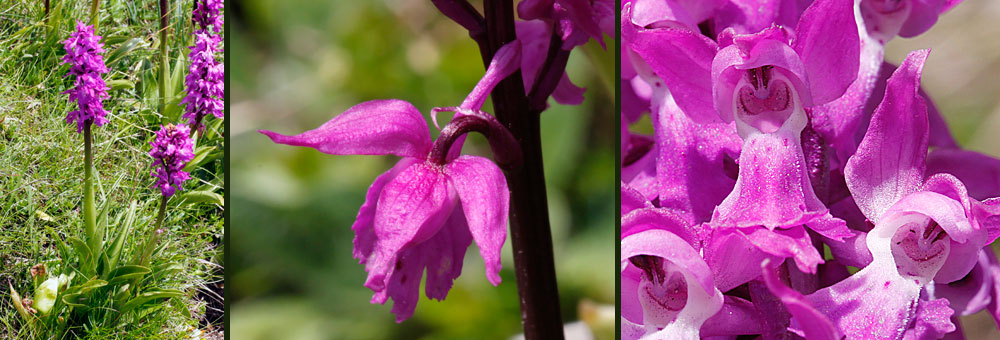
(83, 54)
(207, 15)
(172, 150)
(205, 81)
(781, 135)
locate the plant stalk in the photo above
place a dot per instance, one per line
(89, 213)
(154, 235)
(529, 216)
(164, 65)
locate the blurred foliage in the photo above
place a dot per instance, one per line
(303, 62)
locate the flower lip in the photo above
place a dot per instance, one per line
(666, 285)
(765, 99)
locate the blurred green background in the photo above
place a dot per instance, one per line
(295, 65)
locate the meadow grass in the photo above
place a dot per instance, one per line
(41, 168)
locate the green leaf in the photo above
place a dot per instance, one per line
(114, 252)
(124, 49)
(78, 300)
(119, 84)
(195, 197)
(86, 286)
(127, 272)
(150, 296)
(199, 157)
(81, 247)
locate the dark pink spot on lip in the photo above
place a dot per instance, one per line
(887, 284)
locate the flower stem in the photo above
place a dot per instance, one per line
(529, 216)
(89, 213)
(164, 21)
(154, 234)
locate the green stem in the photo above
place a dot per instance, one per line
(94, 6)
(154, 235)
(89, 214)
(164, 21)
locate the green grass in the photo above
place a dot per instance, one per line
(41, 167)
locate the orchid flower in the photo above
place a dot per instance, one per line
(927, 231)
(425, 211)
(667, 288)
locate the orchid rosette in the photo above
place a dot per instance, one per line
(780, 134)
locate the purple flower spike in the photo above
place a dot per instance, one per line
(83, 53)
(205, 80)
(208, 15)
(172, 150)
(424, 212)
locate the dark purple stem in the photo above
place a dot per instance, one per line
(529, 216)
(551, 73)
(506, 152)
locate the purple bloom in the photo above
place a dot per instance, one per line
(208, 15)
(534, 37)
(425, 211)
(577, 20)
(667, 289)
(172, 150)
(205, 80)
(926, 230)
(83, 53)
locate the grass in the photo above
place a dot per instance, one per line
(41, 167)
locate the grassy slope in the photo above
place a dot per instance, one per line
(41, 159)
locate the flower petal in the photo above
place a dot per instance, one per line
(377, 127)
(828, 45)
(814, 324)
(364, 224)
(690, 171)
(889, 162)
(482, 188)
(444, 255)
(683, 60)
(412, 208)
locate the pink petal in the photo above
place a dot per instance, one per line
(725, 246)
(813, 323)
(737, 317)
(683, 60)
(690, 171)
(412, 208)
(632, 200)
(444, 254)
(923, 15)
(364, 224)
(376, 127)
(482, 188)
(505, 62)
(889, 162)
(826, 26)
